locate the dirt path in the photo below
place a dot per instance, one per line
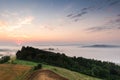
(45, 75)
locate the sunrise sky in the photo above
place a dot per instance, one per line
(59, 21)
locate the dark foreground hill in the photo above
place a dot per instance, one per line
(104, 70)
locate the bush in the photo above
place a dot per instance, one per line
(4, 59)
(39, 66)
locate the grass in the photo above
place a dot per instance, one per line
(27, 63)
(12, 71)
(71, 75)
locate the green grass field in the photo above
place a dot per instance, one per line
(23, 62)
(71, 75)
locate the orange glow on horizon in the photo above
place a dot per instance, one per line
(19, 42)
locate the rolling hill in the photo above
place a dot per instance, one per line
(91, 67)
(65, 73)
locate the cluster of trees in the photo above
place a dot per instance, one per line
(104, 70)
(4, 59)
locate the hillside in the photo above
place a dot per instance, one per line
(13, 72)
(68, 74)
(71, 75)
(91, 67)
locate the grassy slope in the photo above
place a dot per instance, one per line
(71, 75)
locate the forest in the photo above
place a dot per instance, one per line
(95, 68)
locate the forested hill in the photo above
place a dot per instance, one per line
(104, 70)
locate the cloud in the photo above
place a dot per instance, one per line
(118, 27)
(103, 28)
(79, 14)
(9, 21)
(118, 15)
(21, 23)
(105, 4)
(7, 14)
(69, 15)
(88, 8)
(16, 22)
(46, 26)
(76, 20)
(117, 20)
(49, 28)
(3, 23)
(84, 9)
(76, 16)
(111, 25)
(114, 2)
(108, 3)
(26, 20)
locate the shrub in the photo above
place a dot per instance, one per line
(4, 59)
(39, 66)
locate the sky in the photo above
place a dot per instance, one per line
(59, 21)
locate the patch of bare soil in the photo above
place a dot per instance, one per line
(45, 75)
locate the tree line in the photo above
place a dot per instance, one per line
(96, 68)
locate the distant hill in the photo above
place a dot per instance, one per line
(103, 46)
(95, 68)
